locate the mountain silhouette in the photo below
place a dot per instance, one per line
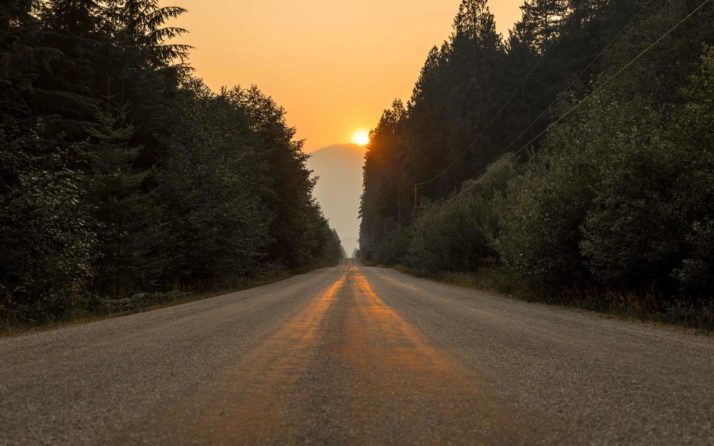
(339, 187)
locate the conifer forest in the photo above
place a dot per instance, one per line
(124, 178)
(571, 160)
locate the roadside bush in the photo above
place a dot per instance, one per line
(543, 211)
(694, 130)
(633, 235)
(620, 198)
(696, 273)
(46, 233)
(391, 248)
(650, 224)
(458, 234)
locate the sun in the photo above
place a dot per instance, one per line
(360, 137)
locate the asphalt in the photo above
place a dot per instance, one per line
(358, 355)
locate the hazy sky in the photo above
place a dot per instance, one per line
(333, 64)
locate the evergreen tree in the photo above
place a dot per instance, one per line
(612, 197)
(474, 22)
(19, 34)
(119, 173)
(541, 22)
(285, 185)
(120, 206)
(216, 226)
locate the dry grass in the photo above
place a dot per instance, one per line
(111, 308)
(697, 315)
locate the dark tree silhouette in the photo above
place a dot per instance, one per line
(612, 197)
(120, 173)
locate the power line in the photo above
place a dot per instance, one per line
(483, 132)
(608, 81)
(580, 75)
(614, 39)
(581, 102)
(491, 122)
(510, 99)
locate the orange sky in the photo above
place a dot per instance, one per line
(333, 64)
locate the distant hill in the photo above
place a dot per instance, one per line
(339, 168)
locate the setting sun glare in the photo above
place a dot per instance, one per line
(361, 137)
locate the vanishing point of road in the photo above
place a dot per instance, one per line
(357, 355)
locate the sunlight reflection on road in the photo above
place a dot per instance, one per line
(398, 368)
(252, 403)
(348, 369)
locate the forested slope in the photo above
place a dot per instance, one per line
(121, 173)
(574, 157)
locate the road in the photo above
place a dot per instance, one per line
(357, 355)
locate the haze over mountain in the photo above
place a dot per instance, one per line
(339, 171)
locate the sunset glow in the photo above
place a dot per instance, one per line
(321, 67)
(360, 137)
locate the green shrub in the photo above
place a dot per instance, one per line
(619, 198)
(458, 234)
(46, 233)
(543, 211)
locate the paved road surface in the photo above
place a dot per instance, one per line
(355, 355)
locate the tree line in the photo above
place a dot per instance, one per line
(121, 173)
(575, 156)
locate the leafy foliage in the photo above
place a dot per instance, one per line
(121, 174)
(617, 196)
(459, 233)
(46, 231)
